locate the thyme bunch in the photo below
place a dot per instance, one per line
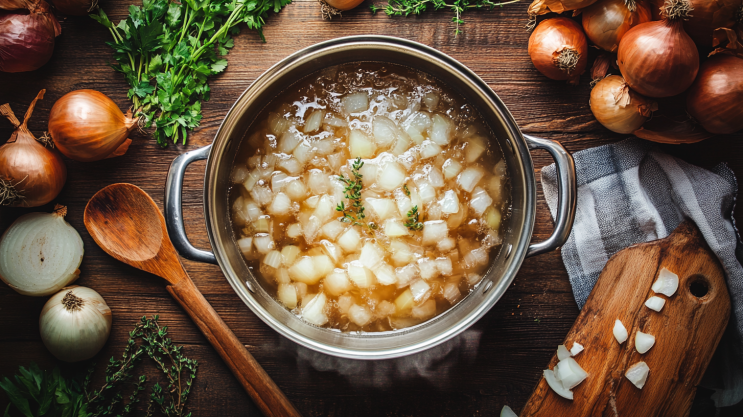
(413, 216)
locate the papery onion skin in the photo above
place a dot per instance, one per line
(715, 99)
(658, 59)
(26, 39)
(606, 22)
(344, 5)
(617, 107)
(30, 174)
(88, 126)
(75, 7)
(709, 15)
(75, 331)
(558, 41)
(539, 7)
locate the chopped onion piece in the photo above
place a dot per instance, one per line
(358, 315)
(476, 257)
(450, 202)
(295, 189)
(385, 274)
(480, 201)
(332, 229)
(350, 240)
(323, 265)
(444, 265)
(273, 259)
(562, 352)
(262, 195)
(287, 294)
(428, 268)
(620, 332)
(318, 182)
(575, 374)
(355, 102)
(395, 228)
(643, 342)
(447, 244)
(429, 149)
(246, 246)
(451, 168)
(507, 412)
(311, 229)
(281, 205)
(314, 311)
(427, 192)
(576, 349)
(314, 121)
(404, 301)
(289, 254)
(434, 231)
(304, 271)
(384, 208)
(371, 255)
(469, 178)
(441, 129)
(424, 311)
(476, 145)
(263, 242)
(291, 166)
(638, 374)
(294, 230)
(556, 386)
(655, 303)
(325, 209)
(451, 292)
(415, 125)
(667, 283)
(304, 152)
(289, 141)
(282, 276)
(404, 205)
(384, 131)
(420, 291)
(361, 145)
(337, 283)
(390, 175)
(332, 250)
(362, 277)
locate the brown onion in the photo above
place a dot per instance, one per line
(673, 130)
(559, 50)
(617, 107)
(75, 7)
(709, 15)
(658, 59)
(27, 32)
(30, 174)
(539, 7)
(607, 21)
(330, 8)
(715, 99)
(88, 126)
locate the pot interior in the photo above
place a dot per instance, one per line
(372, 345)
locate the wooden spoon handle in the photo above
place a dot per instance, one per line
(256, 382)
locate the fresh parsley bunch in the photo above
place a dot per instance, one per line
(167, 50)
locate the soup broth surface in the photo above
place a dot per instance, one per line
(369, 197)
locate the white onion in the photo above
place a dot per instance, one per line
(569, 373)
(406, 274)
(441, 129)
(304, 152)
(239, 174)
(434, 231)
(277, 123)
(390, 175)
(620, 332)
(473, 279)
(667, 283)
(385, 131)
(469, 178)
(476, 146)
(355, 102)
(358, 315)
(361, 146)
(562, 352)
(282, 276)
(643, 342)
(556, 386)
(424, 311)
(655, 303)
(304, 271)
(251, 180)
(311, 229)
(75, 324)
(446, 244)
(335, 121)
(325, 209)
(314, 121)
(435, 177)
(332, 229)
(428, 269)
(444, 266)
(404, 205)
(507, 412)
(273, 259)
(383, 208)
(385, 274)
(360, 275)
(40, 253)
(451, 292)
(420, 290)
(262, 195)
(289, 141)
(314, 311)
(333, 251)
(337, 283)
(429, 149)
(426, 192)
(278, 180)
(350, 240)
(281, 205)
(371, 255)
(287, 295)
(289, 254)
(318, 182)
(395, 228)
(638, 374)
(246, 246)
(322, 265)
(451, 168)
(290, 165)
(294, 230)
(430, 100)
(480, 201)
(576, 349)
(476, 257)
(415, 125)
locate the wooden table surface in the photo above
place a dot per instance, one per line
(498, 361)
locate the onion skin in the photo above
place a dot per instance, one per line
(539, 7)
(26, 40)
(606, 22)
(618, 108)
(75, 7)
(343, 5)
(709, 15)
(88, 126)
(716, 98)
(554, 37)
(658, 59)
(35, 172)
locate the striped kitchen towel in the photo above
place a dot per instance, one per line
(630, 192)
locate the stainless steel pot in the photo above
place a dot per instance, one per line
(515, 146)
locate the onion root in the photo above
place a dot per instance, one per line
(675, 10)
(328, 12)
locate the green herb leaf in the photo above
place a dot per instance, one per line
(412, 223)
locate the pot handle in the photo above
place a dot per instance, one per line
(566, 194)
(174, 210)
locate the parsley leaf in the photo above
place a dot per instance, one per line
(168, 50)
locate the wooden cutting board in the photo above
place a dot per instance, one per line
(687, 331)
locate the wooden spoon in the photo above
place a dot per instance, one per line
(126, 223)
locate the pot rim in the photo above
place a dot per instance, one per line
(493, 290)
